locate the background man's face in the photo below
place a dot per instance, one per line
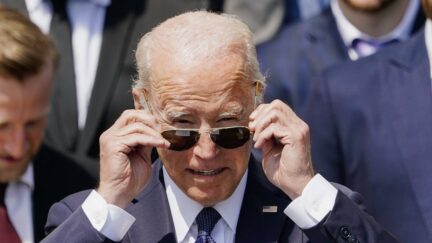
(23, 111)
(207, 95)
(368, 5)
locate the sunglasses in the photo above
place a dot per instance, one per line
(225, 137)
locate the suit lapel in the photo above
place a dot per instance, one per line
(63, 118)
(408, 79)
(119, 21)
(257, 220)
(326, 47)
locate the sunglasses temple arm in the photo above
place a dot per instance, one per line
(256, 94)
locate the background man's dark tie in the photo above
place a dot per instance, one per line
(7, 231)
(206, 221)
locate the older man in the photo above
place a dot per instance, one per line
(195, 97)
(32, 176)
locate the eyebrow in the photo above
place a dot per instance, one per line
(233, 112)
(175, 114)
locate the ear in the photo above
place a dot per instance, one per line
(140, 99)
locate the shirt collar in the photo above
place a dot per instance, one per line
(103, 3)
(184, 210)
(32, 5)
(27, 178)
(349, 32)
(100, 3)
(428, 37)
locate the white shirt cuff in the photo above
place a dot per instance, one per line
(317, 200)
(108, 219)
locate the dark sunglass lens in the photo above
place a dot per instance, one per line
(232, 137)
(181, 139)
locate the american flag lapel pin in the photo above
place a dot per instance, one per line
(270, 209)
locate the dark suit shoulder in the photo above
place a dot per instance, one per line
(298, 30)
(55, 176)
(52, 166)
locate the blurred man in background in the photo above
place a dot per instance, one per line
(348, 30)
(371, 130)
(32, 175)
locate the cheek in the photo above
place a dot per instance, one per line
(242, 158)
(35, 137)
(174, 161)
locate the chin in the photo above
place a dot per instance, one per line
(368, 6)
(207, 198)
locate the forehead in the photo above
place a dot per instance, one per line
(218, 85)
(25, 99)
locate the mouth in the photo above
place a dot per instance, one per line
(9, 160)
(213, 172)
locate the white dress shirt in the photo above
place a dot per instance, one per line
(18, 201)
(317, 200)
(40, 13)
(428, 39)
(87, 19)
(349, 32)
(184, 211)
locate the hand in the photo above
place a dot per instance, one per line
(284, 141)
(125, 156)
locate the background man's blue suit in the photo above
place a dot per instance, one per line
(371, 129)
(302, 51)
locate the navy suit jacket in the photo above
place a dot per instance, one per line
(299, 53)
(68, 223)
(55, 176)
(371, 129)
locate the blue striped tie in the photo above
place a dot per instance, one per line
(206, 221)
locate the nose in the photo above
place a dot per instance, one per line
(17, 143)
(205, 148)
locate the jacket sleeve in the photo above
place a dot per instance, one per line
(67, 222)
(349, 222)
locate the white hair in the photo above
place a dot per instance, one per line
(198, 36)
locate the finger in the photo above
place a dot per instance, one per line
(138, 127)
(265, 136)
(130, 142)
(294, 135)
(276, 112)
(257, 110)
(131, 116)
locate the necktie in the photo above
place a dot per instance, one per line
(368, 47)
(206, 221)
(7, 231)
(63, 118)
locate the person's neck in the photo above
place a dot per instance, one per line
(377, 23)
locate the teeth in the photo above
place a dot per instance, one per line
(207, 172)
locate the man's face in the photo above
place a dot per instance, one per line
(23, 111)
(209, 95)
(368, 5)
